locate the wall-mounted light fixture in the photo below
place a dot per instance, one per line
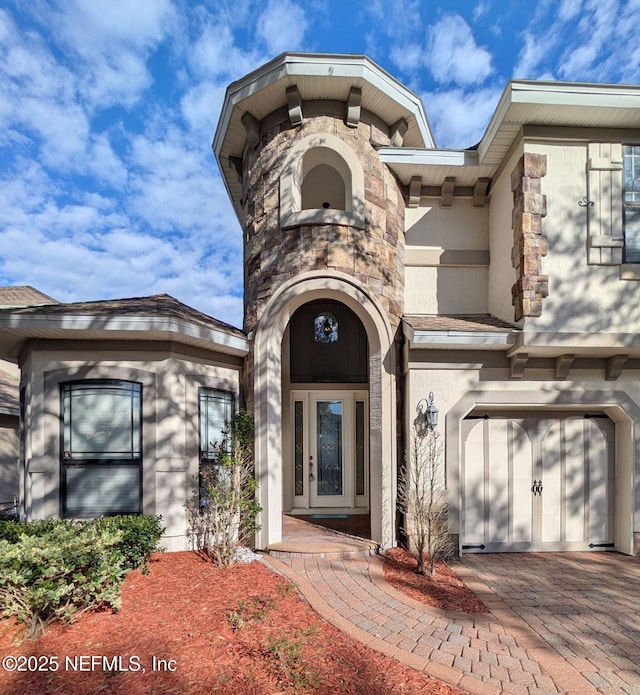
(427, 418)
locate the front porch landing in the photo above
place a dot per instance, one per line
(303, 539)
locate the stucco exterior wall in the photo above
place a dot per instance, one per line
(582, 297)
(9, 447)
(170, 427)
(446, 258)
(462, 226)
(445, 290)
(502, 274)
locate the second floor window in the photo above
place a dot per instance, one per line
(631, 155)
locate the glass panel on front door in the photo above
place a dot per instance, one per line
(329, 448)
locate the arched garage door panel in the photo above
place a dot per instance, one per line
(538, 483)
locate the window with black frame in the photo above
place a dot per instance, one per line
(216, 416)
(631, 155)
(101, 453)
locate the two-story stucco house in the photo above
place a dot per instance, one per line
(379, 269)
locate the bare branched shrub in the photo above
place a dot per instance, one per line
(221, 516)
(423, 501)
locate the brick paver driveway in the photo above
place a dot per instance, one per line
(585, 605)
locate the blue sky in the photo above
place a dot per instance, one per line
(108, 186)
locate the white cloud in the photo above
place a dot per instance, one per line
(452, 54)
(569, 9)
(582, 40)
(282, 26)
(409, 57)
(459, 118)
(104, 163)
(111, 43)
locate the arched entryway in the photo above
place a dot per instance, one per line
(371, 396)
(325, 413)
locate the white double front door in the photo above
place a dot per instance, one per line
(329, 449)
(538, 482)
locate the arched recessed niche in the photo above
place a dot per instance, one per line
(323, 188)
(322, 182)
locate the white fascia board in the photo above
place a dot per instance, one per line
(451, 339)
(575, 94)
(218, 338)
(572, 94)
(428, 157)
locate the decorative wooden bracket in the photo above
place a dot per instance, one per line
(294, 102)
(518, 363)
(252, 126)
(236, 164)
(480, 190)
(615, 365)
(353, 107)
(563, 365)
(446, 192)
(397, 132)
(415, 189)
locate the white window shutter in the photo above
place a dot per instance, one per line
(604, 189)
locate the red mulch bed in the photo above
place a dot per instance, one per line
(444, 590)
(186, 609)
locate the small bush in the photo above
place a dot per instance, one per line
(12, 530)
(140, 537)
(55, 569)
(59, 574)
(221, 516)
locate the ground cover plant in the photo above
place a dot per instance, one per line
(234, 630)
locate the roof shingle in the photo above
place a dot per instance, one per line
(156, 305)
(460, 322)
(23, 295)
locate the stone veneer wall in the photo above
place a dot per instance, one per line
(374, 256)
(529, 244)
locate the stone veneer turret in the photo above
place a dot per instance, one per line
(373, 255)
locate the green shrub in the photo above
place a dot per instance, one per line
(12, 530)
(140, 537)
(59, 574)
(55, 569)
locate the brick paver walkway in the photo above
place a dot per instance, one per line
(516, 648)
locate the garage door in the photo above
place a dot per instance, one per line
(538, 483)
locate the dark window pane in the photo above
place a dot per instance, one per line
(101, 425)
(313, 361)
(632, 234)
(360, 448)
(298, 438)
(101, 420)
(216, 414)
(329, 447)
(97, 490)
